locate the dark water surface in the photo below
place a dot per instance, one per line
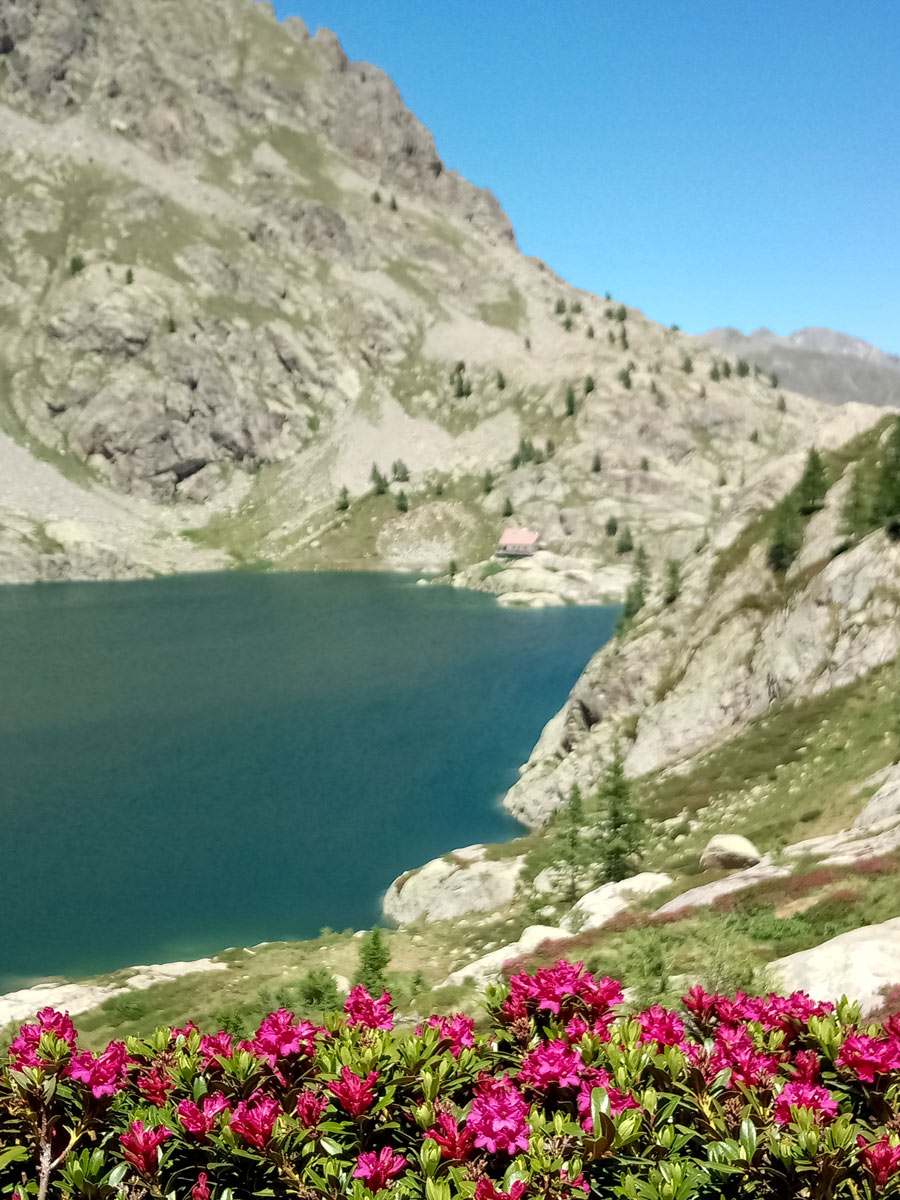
(204, 761)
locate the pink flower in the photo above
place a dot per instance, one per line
(254, 1119)
(184, 1032)
(499, 1116)
(310, 1108)
(551, 1063)
(485, 1190)
(662, 1026)
(379, 1169)
(459, 1030)
(200, 1120)
(155, 1087)
(807, 1066)
(200, 1191)
(566, 986)
(456, 1144)
(355, 1094)
(25, 1045)
(279, 1037)
(804, 1095)
(363, 1009)
(105, 1074)
(214, 1046)
(700, 1004)
(618, 1101)
(141, 1146)
(734, 1048)
(868, 1056)
(880, 1159)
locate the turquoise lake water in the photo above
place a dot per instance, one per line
(204, 761)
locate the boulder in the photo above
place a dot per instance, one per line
(489, 968)
(883, 807)
(605, 902)
(445, 888)
(729, 850)
(860, 964)
(703, 896)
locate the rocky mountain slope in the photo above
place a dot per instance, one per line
(831, 366)
(235, 274)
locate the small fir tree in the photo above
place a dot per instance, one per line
(743, 368)
(399, 471)
(487, 483)
(813, 485)
(597, 464)
(782, 404)
(787, 536)
(570, 402)
(570, 850)
(374, 957)
(507, 507)
(673, 581)
(625, 544)
(379, 481)
(621, 839)
(726, 369)
(612, 526)
(129, 277)
(589, 332)
(623, 338)
(402, 502)
(687, 364)
(501, 381)
(589, 385)
(343, 502)
(76, 264)
(857, 508)
(887, 484)
(714, 373)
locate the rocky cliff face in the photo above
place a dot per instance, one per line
(235, 273)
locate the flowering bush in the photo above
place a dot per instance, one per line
(563, 1095)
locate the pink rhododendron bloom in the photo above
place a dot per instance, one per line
(807, 1066)
(578, 1185)
(201, 1119)
(459, 1030)
(485, 1190)
(105, 1074)
(700, 1004)
(499, 1116)
(254, 1119)
(595, 1077)
(880, 1159)
(140, 1146)
(184, 1032)
(216, 1045)
(804, 1095)
(155, 1087)
(24, 1046)
(552, 1063)
(379, 1169)
(280, 1037)
(869, 1056)
(200, 1190)
(363, 1009)
(456, 1144)
(660, 1025)
(310, 1108)
(734, 1048)
(356, 1095)
(564, 986)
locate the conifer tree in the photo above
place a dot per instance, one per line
(857, 510)
(673, 581)
(589, 385)
(787, 536)
(402, 502)
(508, 507)
(597, 464)
(813, 485)
(887, 484)
(621, 835)
(570, 848)
(625, 543)
(612, 526)
(570, 402)
(374, 957)
(379, 481)
(343, 500)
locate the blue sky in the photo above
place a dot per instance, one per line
(713, 162)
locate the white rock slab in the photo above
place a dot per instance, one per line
(858, 964)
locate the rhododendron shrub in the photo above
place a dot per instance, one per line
(565, 1093)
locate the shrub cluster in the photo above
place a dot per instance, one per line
(563, 1096)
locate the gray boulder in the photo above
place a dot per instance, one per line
(608, 900)
(860, 964)
(883, 807)
(445, 888)
(729, 850)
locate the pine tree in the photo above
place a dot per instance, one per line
(343, 500)
(743, 368)
(374, 957)
(501, 381)
(597, 464)
(623, 338)
(622, 827)
(813, 485)
(570, 402)
(787, 536)
(782, 404)
(402, 502)
(129, 277)
(625, 543)
(487, 483)
(379, 481)
(887, 484)
(400, 472)
(636, 596)
(508, 507)
(589, 332)
(589, 385)
(673, 581)
(612, 526)
(687, 364)
(570, 849)
(857, 510)
(714, 373)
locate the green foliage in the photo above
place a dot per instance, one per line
(317, 991)
(687, 364)
(636, 596)
(399, 471)
(858, 508)
(787, 536)
(625, 378)
(723, 479)
(501, 381)
(170, 324)
(76, 264)
(572, 853)
(726, 369)
(379, 481)
(402, 502)
(560, 307)
(623, 338)
(568, 324)
(507, 507)
(597, 464)
(754, 436)
(622, 827)
(576, 306)
(570, 402)
(589, 332)
(673, 581)
(589, 385)
(612, 526)
(621, 313)
(376, 197)
(526, 453)
(393, 203)
(645, 463)
(773, 380)
(813, 486)
(782, 404)
(374, 956)
(886, 509)
(343, 501)
(487, 482)
(129, 277)
(714, 373)
(625, 543)
(452, 568)
(743, 368)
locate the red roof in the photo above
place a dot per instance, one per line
(519, 537)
